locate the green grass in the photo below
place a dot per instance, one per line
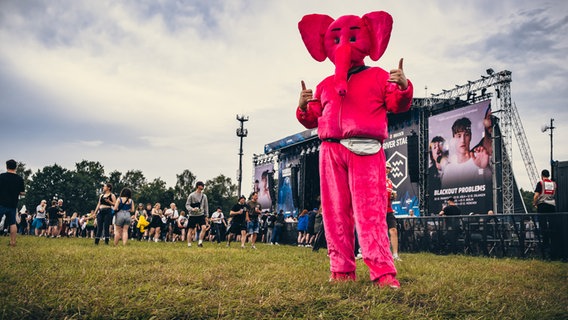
(71, 278)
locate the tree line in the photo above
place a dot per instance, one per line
(80, 188)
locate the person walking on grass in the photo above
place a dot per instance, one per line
(219, 224)
(252, 214)
(104, 213)
(238, 222)
(11, 188)
(38, 224)
(278, 226)
(198, 208)
(156, 223)
(302, 227)
(123, 207)
(53, 218)
(73, 225)
(172, 215)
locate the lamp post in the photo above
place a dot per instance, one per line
(241, 133)
(550, 127)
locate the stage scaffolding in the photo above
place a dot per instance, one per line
(504, 115)
(509, 121)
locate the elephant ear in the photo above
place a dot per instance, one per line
(379, 24)
(312, 29)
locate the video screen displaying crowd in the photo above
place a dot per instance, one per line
(117, 218)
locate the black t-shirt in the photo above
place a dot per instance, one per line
(452, 211)
(53, 213)
(253, 215)
(239, 218)
(11, 185)
(538, 188)
(62, 212)
(311, 219)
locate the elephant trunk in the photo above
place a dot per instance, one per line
(342, 65)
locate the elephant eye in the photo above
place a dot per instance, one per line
(352, 39)
(336, 40)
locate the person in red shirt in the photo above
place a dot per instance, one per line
(544, 192)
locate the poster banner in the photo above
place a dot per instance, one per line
(459, 153)
(262, 180)
(287, 182)
(396, 152)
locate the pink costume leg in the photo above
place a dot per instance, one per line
(367, 178)
(336, 207)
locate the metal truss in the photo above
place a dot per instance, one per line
(526, 154)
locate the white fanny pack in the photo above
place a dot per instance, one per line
(362, 146)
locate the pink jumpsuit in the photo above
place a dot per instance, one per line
(353, 187)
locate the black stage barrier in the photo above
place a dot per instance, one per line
(536, 235)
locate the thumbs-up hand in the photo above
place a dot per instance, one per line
(306, 95)
(397, 76)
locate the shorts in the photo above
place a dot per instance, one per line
(38, 223)
(252, 227)
(237, 227)
(391, 220)
(311, 230)
(10, 214)
(53, 222)
(156, 222)
(194, 221)
(122, 219)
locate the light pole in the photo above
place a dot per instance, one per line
(546, 127)
(241, 133)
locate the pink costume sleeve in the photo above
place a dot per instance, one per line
(309, 118)
(399, 100)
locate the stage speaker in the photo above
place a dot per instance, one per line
(413, 168)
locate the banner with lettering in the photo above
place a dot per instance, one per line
(396, 152)
(459, 153)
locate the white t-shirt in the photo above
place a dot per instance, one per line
(218, 214)
(173, 214)
(183, 221)
(39, 214)
(467, 172)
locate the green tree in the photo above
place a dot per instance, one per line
(86, 180)
(528, 199)
(135, 180)
(115, 178)
(154, 192)
(221, 192)
(184, 185)
(23, 172)
(52, 182)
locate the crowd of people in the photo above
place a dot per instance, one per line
(117, 217)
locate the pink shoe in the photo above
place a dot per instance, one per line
(388, 280)
(342, 276)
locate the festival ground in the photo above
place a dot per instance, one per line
(71, 278)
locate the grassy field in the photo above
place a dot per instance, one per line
(71, 278)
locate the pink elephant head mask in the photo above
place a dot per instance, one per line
(346, 41)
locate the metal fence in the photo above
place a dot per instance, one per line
(542, 236)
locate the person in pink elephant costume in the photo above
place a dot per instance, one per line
(350, 109)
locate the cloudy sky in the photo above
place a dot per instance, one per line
(156, 85)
